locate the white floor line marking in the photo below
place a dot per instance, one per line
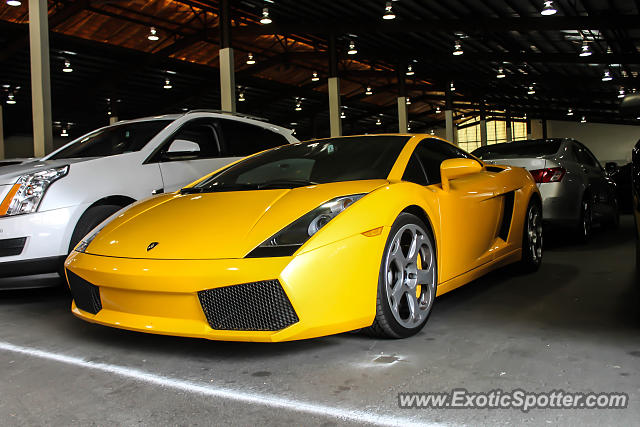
(270, 401)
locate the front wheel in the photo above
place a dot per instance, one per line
(407, 281)
(532, 238)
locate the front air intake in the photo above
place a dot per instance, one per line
(86, 295)
(257, 306)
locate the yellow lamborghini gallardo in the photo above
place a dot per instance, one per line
(309, 239)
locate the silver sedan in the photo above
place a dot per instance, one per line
(575, 189)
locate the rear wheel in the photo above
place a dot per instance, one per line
(532, 238)
(407, 281)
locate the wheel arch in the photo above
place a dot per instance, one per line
(119, 200)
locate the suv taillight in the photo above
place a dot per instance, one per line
(548, 175)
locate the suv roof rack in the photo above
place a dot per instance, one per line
(228, 113)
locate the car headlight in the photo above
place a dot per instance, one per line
(86, 240)
(289, 239)
(27, 193)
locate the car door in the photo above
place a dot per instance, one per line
(597, 181)
(471, 210)
(193, 151)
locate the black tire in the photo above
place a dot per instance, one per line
(89, 220)
(386, 324)
(532, 238)
(585, 226)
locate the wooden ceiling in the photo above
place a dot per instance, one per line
(118, 70)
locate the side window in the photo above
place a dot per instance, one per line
(414, 172)
(433, 152)
(197, 138)
(242, 139)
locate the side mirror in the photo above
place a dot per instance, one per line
(611, 168)
(456, 168)
(181, 149)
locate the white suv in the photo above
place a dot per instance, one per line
(48, 205)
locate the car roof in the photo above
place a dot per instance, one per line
(213, 113)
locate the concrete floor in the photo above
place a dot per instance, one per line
(574, 325)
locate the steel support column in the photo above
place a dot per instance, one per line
(508, 125)
(2, 151)
(335, 123)
(40, 77)
(448, 115)
(227, 64)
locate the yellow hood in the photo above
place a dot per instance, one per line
(213, 225)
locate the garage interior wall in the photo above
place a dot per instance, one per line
(608, 142)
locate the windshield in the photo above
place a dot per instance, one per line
(112, 140)
(312, 162)
(529, 148)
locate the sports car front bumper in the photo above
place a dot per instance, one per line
(331, 289)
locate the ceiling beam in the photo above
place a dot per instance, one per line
(470, 25)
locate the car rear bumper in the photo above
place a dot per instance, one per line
(331, 289)
(558, 205)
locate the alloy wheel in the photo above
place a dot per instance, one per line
(410, 276)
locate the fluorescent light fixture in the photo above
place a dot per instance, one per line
(583, 119)
(379, 122)
(585, 50)
(410, 71)
(388, 12)
(153, 34)
(352, 48)
(11, 98)
(64, 132)
(548, 9)
(501, 74)
(67, 66)
(621, 93)
(569, 112)
(369, 91)
(241, 97)
(265, 16)
(14, 3)
(167, 84)
(606, 77)
(314, 77)
(250, 60)
(457, 48)
(408, 101)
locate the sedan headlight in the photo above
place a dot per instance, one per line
(27, 193)
(289, 239)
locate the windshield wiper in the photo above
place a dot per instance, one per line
(190, 190)
(286, 183)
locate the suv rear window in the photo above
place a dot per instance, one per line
(529, 148)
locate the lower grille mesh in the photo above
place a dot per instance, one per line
(86, 295)
(257, 306)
